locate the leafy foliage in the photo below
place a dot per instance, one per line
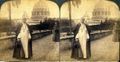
(5, 25)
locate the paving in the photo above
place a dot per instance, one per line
(44, 49)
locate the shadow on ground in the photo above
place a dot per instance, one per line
(93, 37)
(100, 35)
(40, 35)
(9, 43)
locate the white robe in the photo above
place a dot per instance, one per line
(82, 36)
(24, 36)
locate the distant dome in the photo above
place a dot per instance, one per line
(40, 11)
(105, 4)
(103, 10)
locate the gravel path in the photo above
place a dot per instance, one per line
(103, 49)
(45, 49)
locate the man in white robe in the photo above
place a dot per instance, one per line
(24, 36)
(83, 36)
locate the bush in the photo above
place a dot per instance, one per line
(5, 25)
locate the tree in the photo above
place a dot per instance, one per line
(10, 3)
(61, 2)
(75, 3)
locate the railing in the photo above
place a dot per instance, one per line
(7, 37)
(93, 27)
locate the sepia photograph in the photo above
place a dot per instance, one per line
(60, 30)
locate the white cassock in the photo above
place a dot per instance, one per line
(82, 36)
(24, 36)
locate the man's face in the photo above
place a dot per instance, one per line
(24, 20)
(83, 20)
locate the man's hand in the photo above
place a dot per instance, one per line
(18, 39)
(76, 39)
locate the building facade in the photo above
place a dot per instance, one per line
(105, 10)
(40, 11)
(100, 13)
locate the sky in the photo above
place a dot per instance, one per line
(85, 8)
